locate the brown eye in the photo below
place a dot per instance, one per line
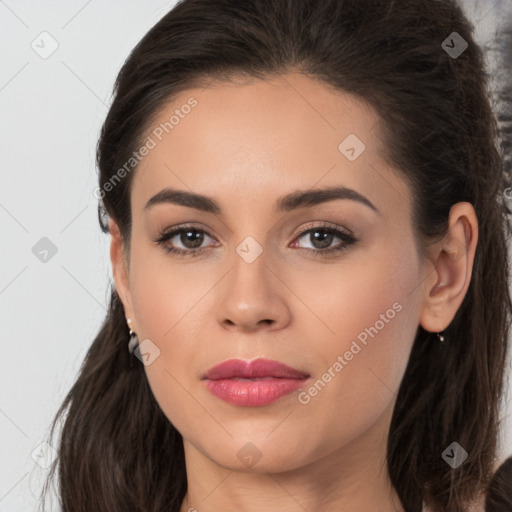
(183, 241)
(194, 237)
(322, 237)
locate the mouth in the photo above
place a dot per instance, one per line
(253, 384)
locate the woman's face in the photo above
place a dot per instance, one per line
(257, 280)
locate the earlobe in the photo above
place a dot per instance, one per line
(452, 259)
(120, 267)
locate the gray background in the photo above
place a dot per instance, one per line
(51, 113)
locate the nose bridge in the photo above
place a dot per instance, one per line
(253, 261)
(250, 273)
(250, 241)
(252, 295)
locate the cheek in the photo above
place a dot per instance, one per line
(165, 299)
(169, 301)
(164, 292)
(358, 368)
(352, 296)
(369, 316)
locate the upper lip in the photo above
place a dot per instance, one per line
(233, 368)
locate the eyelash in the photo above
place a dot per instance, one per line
(347, 239)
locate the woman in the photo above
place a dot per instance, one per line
(309, 255)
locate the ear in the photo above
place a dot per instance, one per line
(452, 259)
(120, 269)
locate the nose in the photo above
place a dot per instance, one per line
(253, 297)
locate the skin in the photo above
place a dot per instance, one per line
(245, 145)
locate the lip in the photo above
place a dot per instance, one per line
(257, 368)
(253, 383)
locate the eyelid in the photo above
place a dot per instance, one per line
(181, 227)
(323, 224)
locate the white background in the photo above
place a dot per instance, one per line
(51, 113)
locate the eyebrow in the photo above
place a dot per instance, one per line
(287, 203)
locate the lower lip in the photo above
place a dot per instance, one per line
(253, 393)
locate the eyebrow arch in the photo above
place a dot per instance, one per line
(287, 203)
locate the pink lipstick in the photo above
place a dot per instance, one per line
(253, 383)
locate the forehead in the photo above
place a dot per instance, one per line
(264, 138)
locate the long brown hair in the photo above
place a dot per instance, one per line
(117, 450)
